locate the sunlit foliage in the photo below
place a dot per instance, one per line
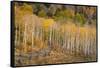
(62, 36)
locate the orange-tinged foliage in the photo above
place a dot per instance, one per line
(63, 40)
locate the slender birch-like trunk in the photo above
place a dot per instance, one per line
(25, 36)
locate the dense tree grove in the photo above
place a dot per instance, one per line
(82, 14)
(54, 33)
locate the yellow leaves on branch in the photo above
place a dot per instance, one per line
(68, 27)
(74, 30)
(48, 23)
(87, 31)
